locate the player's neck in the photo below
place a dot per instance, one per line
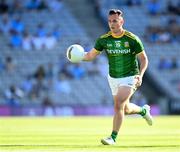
(119, 33)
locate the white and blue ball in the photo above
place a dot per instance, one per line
(75, 53)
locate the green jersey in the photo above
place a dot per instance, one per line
(121, 52)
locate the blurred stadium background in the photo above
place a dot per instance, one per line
(36, 79)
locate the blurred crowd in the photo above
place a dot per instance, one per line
(13, 27)
(48, 78)
(165, 22)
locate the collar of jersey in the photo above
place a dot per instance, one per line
(119, 36)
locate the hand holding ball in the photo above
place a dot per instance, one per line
(75, 53)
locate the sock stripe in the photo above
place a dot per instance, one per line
(114, 135)
(143, 112)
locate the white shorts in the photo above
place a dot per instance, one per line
(115, 83)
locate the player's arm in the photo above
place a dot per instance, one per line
(143, 60)
(91, 55)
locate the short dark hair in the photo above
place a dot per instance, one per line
(115, 11)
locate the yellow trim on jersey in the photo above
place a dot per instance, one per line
(140, 52)
(119, 36)
(106, 35)
(111, 34)
(129, 34)
(97, 51)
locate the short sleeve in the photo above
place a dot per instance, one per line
(138, 46)
(99, 45)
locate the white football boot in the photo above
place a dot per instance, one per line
(108, 141)
(148, 116)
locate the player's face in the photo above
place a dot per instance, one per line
(115, 23)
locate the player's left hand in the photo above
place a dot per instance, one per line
(139, 80)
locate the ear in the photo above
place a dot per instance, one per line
(122, 21)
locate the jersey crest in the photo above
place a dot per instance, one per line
(126, 44)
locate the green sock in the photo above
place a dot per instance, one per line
(142, 112)
(114, 135)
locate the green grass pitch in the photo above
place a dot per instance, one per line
(83, 134)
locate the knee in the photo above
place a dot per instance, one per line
(126, 109)
(118, 107)
(120, 103)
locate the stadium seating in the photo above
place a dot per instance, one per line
(28, 61)
(88, 90)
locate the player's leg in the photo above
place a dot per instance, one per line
(122, 105)
(131, 108)
(120, 101)
(123, 95)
